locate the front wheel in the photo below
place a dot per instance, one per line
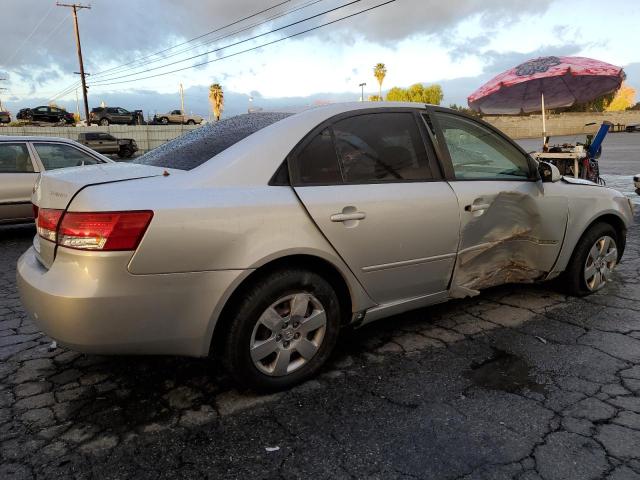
(164, 121)
(104, 122)
(282, 331)
(593, 261)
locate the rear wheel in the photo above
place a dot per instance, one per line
(593, 261)
(164, 121)
(125, 152)
(283, 330)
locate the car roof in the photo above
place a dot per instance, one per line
(35, 138)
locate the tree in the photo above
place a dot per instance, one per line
(375, 98)
(380, 71)
(625, 98)
(463, 109)
(216, 98)
(416, 93)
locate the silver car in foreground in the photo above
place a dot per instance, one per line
(257, 238)
(21, 161)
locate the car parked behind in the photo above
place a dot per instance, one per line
(259, 237)
(633, 128)
(5, 117)
(106, 143)
(178, 116)
(46, 114)
(105, 116)
(21, 161)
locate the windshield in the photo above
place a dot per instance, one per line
(198, 146)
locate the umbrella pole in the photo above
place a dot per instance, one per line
(544, 125)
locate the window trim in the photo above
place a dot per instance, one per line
(34, 165)
(292, 157)
(445, 157)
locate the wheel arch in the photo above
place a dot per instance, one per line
(618, 225)
(321, 266)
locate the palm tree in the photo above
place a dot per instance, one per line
(380, 71)
(216, 98)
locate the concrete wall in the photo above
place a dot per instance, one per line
(559, 124)
(147, 137)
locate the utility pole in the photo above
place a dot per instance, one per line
(362, 85)
(2, 89)
(76, 7)
(181, 98)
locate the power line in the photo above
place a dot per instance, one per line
(214, 40)
(28, 37)
(55, 29)
(254, 48)
(70, 88)
(195, 38)
(236, 43)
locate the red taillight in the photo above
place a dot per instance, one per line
(104, 231)
(47, 222)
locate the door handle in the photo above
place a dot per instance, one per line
(345, 217)
(476, 207)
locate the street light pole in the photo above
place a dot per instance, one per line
(362, 85)
(75, 8)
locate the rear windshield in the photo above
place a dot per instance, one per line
(198, 146)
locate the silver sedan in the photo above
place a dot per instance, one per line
(21, 161)
(257, 238)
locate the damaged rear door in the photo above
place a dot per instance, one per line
(511, 230)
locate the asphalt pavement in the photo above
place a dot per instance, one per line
(521, 382)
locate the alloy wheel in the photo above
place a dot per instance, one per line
(601, 260)
(288, 334)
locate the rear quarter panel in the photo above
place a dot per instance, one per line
(198, 229)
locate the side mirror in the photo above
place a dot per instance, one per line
(549, 172)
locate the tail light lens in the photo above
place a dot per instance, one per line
(47, 223)
(104, 231)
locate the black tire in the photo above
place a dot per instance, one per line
(125, 152)
(104, 122)
(164, 121)
(261, 294)
(191, 122)
(572, 279)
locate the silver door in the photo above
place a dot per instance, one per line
(17, 177)
(511, 228)
(383, 208)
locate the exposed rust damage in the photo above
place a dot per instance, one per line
(504, 244)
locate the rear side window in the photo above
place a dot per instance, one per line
(318, 162)
(381, 147)
(14, 158)
(57, 155)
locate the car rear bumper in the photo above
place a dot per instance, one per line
(91, 303)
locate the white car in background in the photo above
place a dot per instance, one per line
(21, 161)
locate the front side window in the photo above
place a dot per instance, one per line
(381, 147)
(477, 153)
(14, 158)
(57, 155)
(42, 109)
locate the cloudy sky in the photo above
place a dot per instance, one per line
(130, 46)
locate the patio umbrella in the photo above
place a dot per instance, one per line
(546, 82)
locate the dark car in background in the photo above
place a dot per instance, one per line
(5, 117)
(115, 115)
(633, 128)
(46, 114)
(105, 143)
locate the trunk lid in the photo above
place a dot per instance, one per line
(55, 189)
